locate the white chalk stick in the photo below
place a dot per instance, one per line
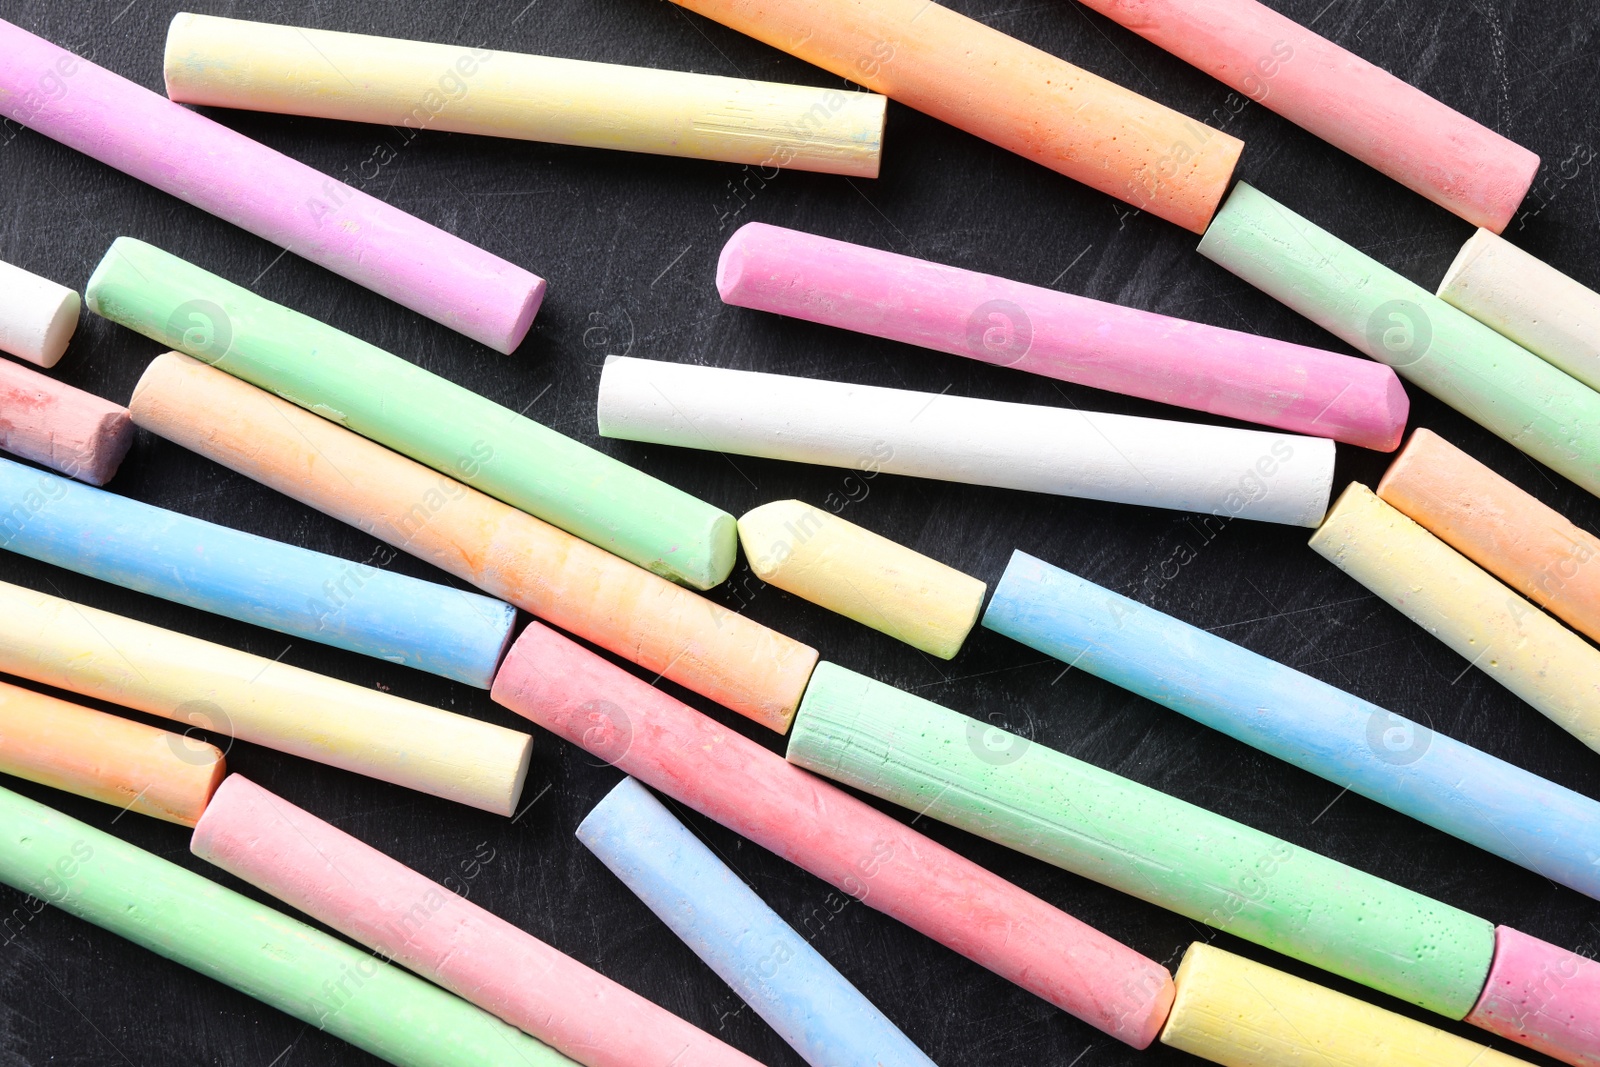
(37, 316)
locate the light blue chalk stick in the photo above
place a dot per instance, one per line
(771, 967)
(296, 591)
(1453, 787)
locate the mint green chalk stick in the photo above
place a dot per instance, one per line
(256, 950)
(1102, 826)
(1508, 390)
(415, 412)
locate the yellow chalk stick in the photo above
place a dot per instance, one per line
(1439, 589)
(1239, 1013)
(871, 579)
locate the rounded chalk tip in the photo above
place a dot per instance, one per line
(735, 258)
(722, 553)
(1396, 412)
(63, 324)
(532, 300)
(762, 527)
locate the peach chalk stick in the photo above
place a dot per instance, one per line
(1240, 1013)
(855, 572)
(663, 627)
(414, 921)
(1364, 110)
(1505, 530)
(995, 87)
(97, 654)
(55, 425)
(1059, 335)
(1542, 996)
(410, 84)
(1436, 587)
(1551, 315)
(117, 761)
(37, 316)
(876, 860)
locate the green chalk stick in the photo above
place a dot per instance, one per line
(415, 412)
(256, 950)
(1102, 826)
(1508, 390)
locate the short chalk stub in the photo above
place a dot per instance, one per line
(1122, 459)
(1542, 996)
(37, 316)
(762, 958)
(55, 425)
(850, 570)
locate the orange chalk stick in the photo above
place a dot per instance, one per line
(103, 757)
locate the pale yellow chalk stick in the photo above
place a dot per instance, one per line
(1499, 632)
(871, 579)
(1238, 1013)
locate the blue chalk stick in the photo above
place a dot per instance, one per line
(1453, 787)
(296, 591)
(773, 969)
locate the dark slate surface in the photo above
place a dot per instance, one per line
(630, 245)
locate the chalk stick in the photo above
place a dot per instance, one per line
(57, 426)
(113, 760)
(37, 316)
(995, 87)
(869, 856)
(855, 572)
(408, 918)
(1430, 148)
(767, 963)
(201, 162)
(1353, 743)
(1059, 335)
(1505, 530)
(263, 953)
(339, 602)
(1551, 315)
(1246, 473)
(160, 672)
(1241, 1013)
(1439, 589)
(1508, 390)
(1542, 996)
(416, 86)
(400, 405)
(623, 608)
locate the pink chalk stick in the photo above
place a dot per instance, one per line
(1542, 996)
(68, 430)
(424, 926)
(1394, 127)
(141, 133)
(1058, 335)
(868, 855)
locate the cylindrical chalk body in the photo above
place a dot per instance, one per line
(160, 672)
(355, 606)
(256, 950)
(412, 920)
(37, 316)
(993, 86)
(1543, 310)
(871, 579)
(1240, 1013)
(1442, 591)
(625, 609)
(117, 761)
(856, 848)
(430, 419)
(1353, 743)
(126, 126)
(769, 965)
(1246, 473)
(1155, 847)
(416, 86)
(1508, 390)
(68, 430)
(1542, 996)
(1505, 530)
(1459, 164)
(1059, 335)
